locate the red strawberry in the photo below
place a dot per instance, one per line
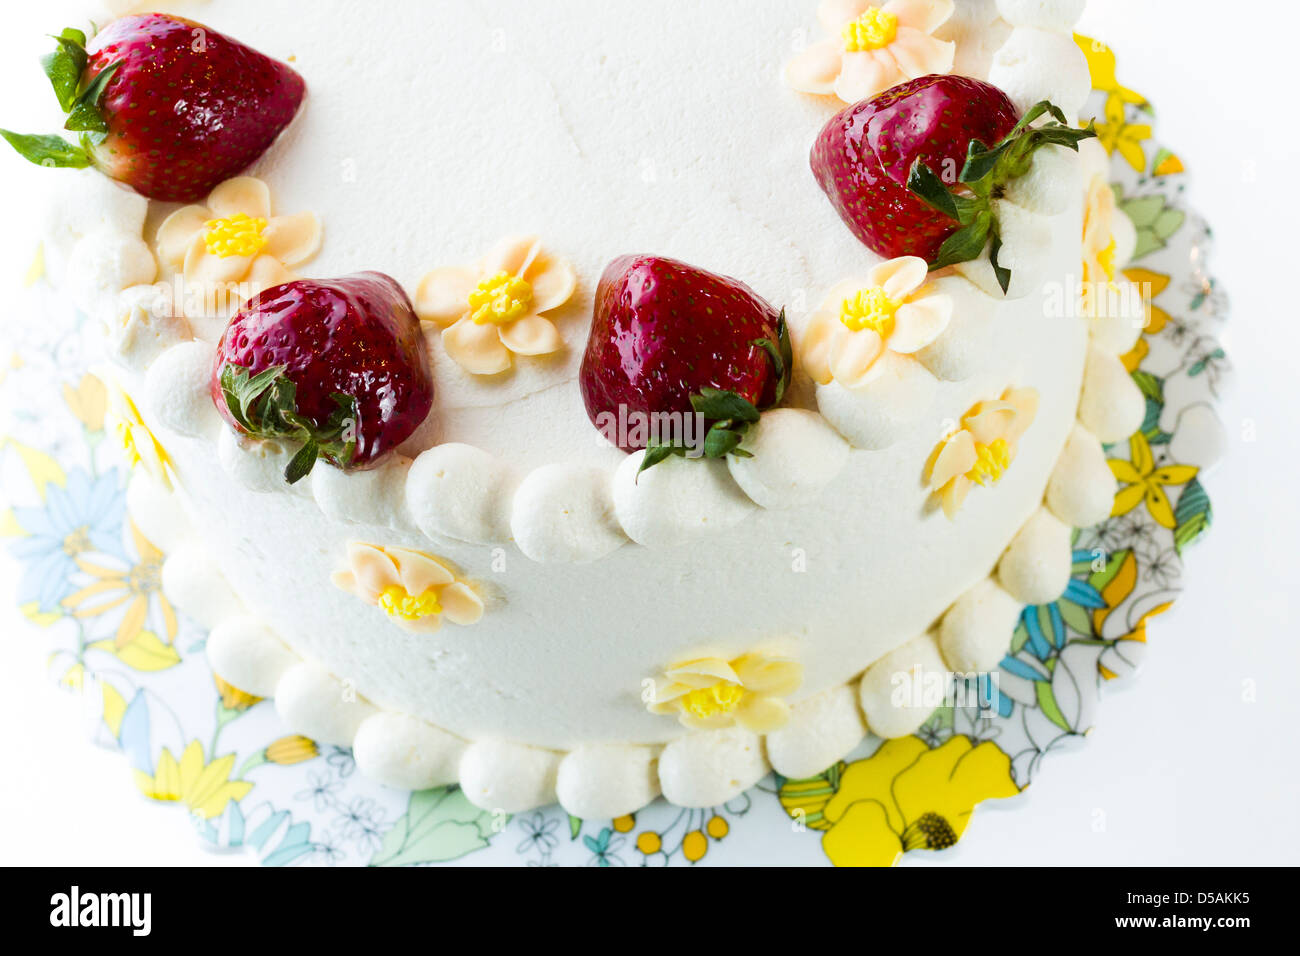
(912, 173)
(164, 105)
(339, 365)
(667, 337)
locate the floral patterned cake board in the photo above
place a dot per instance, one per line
(89, 585)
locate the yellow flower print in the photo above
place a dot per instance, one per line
(1101, 67)
(907, 796)
(205, 788)
(1151, 284)
(88, 401)
(1145, 482)
(232, 698)
(137, 586)
(1116, 134)
(292, 749)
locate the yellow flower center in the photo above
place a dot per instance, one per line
(76, 542)
(398, 602)
(869, 309)
(721, 698)
(237, 235)
(1106, 259)
(871, 31)
(500, 298)
(991, 462)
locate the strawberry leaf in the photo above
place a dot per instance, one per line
(965, 244)
(1003, 274)
(85, 115)
(781, 355)
(54, 151)
(64, 66)
(931, 190)
(720, 405)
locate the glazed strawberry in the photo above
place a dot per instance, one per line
(338, 365)
(667, 337)
(164, 105)
(912, 172)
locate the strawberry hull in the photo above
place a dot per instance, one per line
(187, 107)
(355, 337)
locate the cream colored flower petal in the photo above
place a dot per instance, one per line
(833, 301)
(553, 281)
(816, 68)
(704, 672)
(665, 694)
(265, 272)
(924, 15)
(292, 239)
(246, 194)
(345, 580)
(919, 54)
(419, 572)
(866, 73)
(460, 604)
(513, 255)
(833, 14)
(531, 335)
(815, 346)
(373, 569)
(853, 355)
(201, 267)
(421, 625)
(717, 722)
(759, 714)
(777, 677)
(989, 421)
(1025, 401)
(899, 277)
(920, 322)
(177, 232)
(443, 294)
(476, 348)
(953, 495)
(956, 457)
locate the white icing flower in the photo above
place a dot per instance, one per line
(139, 443)
(709, 693)
(1100, 263)
(982, 449)
(893, 310)
(414, 588)
(495, 309)
(873, 48)
(234, 239)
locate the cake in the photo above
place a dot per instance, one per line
(391, 380)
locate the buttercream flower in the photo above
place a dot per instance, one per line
(139, 443)
(495, 309)
(414, 588)
(234, 239)
(893, 310)
(981, 450)
(708, 692)
(906, 796)
(873, 47)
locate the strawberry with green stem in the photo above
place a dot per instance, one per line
(163, 105)
(911, 174)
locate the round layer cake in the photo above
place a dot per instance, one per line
(603, 635)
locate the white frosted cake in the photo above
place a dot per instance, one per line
(481, 584)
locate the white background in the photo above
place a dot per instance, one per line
(1193, 762)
